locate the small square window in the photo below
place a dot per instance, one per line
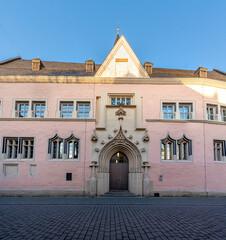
(83, 109)
(38, 109)
(168, 110)
(66, 109)
(212, 112)
(68, 176)
(22, 109)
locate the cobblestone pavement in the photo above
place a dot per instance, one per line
(112, 218)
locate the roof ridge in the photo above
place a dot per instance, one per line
(10, 60)
(218, 71)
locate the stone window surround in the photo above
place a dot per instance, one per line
(223, 157)
(64, 157)
(218, 107)
(75, 102)
(117, 94)
(4, 165)
(177, 113)
(31, 101)
(174, 156)
(19, 155)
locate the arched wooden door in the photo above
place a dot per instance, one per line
(119, 172)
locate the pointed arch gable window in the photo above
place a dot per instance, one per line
(55, 147)
(71, 147)
(60, 149)
(168, 148)
(184, 148)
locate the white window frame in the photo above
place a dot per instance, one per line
(176, 113)
(83, 112)
(20, 144)
(75, 111)
(30, 113)
(215, 114)
(223, 117)
(38, 102)
(222, 157)
(120, 96)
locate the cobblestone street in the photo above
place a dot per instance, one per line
(112, 218)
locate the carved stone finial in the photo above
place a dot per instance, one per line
(115, 130)
(130, 137)
(143, 149)
(103, 142)
(121, 112)
(145, 138)
(137, 142)
(109, 136)
(97, 149)
(94, 137)
(125, 131)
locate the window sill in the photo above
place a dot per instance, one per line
(63, 160)
(219, 162)
(17, 160)
(176, 161)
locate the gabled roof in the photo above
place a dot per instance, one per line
(122, 54)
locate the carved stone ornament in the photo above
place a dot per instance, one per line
(109, 136)
(103, 142)
(121, 112)
(97, 149)
(145, 138)
(94, 137)
(130, 137)
(115, 130)
(137, 142)
(143, 149)
(125, 131)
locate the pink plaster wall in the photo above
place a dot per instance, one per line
(199, 175)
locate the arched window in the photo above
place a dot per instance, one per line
(72, 147)
(55, 147)
(184, 148)
(168, 148)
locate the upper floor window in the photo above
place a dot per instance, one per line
(223, 114)
(66, 109)
(22, 109)
(83, 109)
(38, 109)
(168, 110)
(185, 110)
(219, 148)
(212, 112)
(18, 148)
(59, 148)
(116, 100)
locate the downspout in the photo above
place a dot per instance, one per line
(204, 136)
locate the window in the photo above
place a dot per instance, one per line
(168, 148)
(27, 148)
(66, 109)
(116, 100)
(38, 109)
(219, 148)
(223, 114)
(72, 147)
(168, 110)
(22, 109)
(60, 148)
(83, 109)
(184, 148)
(211, 111)
(18, 148)
(185, 110)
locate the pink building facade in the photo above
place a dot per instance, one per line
(87, 129)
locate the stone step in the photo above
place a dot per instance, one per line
(118, 194)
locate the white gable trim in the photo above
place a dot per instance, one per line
(122, 42)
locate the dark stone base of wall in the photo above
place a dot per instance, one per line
(188, 194)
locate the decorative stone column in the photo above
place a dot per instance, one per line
(93, 180)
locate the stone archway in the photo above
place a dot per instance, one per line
(135, 176)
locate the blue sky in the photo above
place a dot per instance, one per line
(180, 34)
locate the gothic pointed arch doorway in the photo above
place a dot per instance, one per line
(118, 172)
